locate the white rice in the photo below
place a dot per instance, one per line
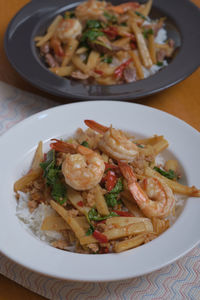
(33, 221)
(160, 39)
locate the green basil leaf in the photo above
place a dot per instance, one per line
(140, 15)
(111, 199)
(118, 187)
(170, 174)
(85, 144)
(59, 192)
(90, 230)
(93, 24)
(107, 60)
(111, 18)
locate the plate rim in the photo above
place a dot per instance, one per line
(138, 91)
(34, 117)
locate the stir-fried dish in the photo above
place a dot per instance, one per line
(106, 44)
(104, 190)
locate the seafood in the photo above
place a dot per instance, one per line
(82, 168)
(124, 7)
(153, 196)
(69, 28)
(114, 142)
(91, 9)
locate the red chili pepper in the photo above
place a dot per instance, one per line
(110, 180)
(111, 31)
(110, 166)
(133, 45)
(123, 213)
(119, 70)
(98, 71)
(104, 250)
(102, 238)
(55, 44)
(80, 203)
(101, 222)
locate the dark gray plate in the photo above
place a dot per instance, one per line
(183, 24)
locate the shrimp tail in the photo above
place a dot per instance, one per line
(96, 126)
(63, 146)
(127, 172)
(84, 150)
(124, 7)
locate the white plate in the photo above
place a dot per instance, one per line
(17, 148)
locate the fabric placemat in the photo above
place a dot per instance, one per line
(179, 280)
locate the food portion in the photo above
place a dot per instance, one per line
(100, 191)
(104, 44)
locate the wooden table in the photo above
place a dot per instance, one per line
(182, 101)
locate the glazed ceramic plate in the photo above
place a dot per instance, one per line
(182, 25)
(62, 121)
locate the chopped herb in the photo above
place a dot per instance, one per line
(112, 196)
(69, 15)
(111, 199)
(93, 24)
(140, 15)
(50, 160)
(90, 230)
(59, 192)
(91, 35)
(85, 144)
(52, 175)
(109, 17)
(107, 60)
(94, 216)
(160, 63)
(170, 174)
(118, 187)
(140, 145)
(123, 24)
(147, 32)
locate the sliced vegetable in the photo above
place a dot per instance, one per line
(170, 174)
(111, 32)
(119, 70)
(123, 213)
(94, 216)
(102, 238)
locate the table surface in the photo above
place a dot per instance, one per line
(181, 100)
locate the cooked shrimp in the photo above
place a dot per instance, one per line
(82, 168)
(114, 142)
(69, 28)
(154, 197)
(90, 9)
(124, 7)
